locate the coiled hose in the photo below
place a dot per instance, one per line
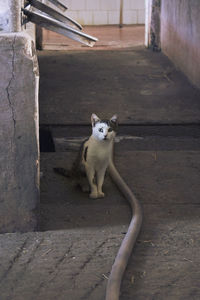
(121, 260)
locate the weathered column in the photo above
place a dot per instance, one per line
(152, 26)
(155, 25)
(10, 15)
(19, 148)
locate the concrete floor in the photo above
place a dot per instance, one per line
(158, 154)
(141, 86)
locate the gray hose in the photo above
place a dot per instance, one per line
(121, 260)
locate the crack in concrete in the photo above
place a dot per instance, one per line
(91, 256)
(14, 260)
(53, 273)
(92, 289)
(33, 253)
(23, 267)
(63, 257)
(86, 262)
(8, 88)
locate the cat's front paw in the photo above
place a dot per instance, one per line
(101, 195)
(93, 195)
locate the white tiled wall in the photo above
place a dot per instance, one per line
(106, 12)
(134, 12)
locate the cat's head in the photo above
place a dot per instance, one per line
(104, 130)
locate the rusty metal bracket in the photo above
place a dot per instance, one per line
(59, 4)
(53, 13)
(46, 21)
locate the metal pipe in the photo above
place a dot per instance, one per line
(49, 23)
(121, 14)
(59, 4)
(121, 260)
(53, 13)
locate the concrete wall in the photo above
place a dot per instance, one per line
(10, 18)
(30, 29)
(10, 15)
(19, 152)
(180, 35)
(106, 12)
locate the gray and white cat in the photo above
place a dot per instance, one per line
(94, 157)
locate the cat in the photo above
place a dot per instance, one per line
(94, 156)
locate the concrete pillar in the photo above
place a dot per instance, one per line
(155, 25)
(152, 24)
(10, 15)
(19, 152)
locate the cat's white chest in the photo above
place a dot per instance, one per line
(98, 153)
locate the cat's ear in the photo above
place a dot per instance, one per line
(94, 119)
(114, 119)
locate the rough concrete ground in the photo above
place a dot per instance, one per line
(71, 256)
(141, 86)
(73, 260)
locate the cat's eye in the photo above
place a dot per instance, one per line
(110, 130)
(100, 129)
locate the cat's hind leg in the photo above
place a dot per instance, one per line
(84, 185)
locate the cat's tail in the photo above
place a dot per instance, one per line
(121, 260)
(63, 172)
